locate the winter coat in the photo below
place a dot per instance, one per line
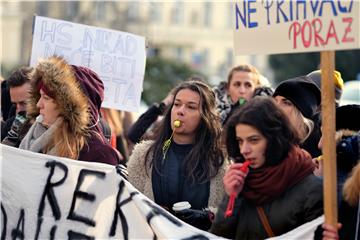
(79, 92)
(223, 102)
(143, 182)
(297, 205)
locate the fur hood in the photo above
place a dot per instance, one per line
(77, 90)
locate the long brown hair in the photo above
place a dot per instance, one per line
(205, 158)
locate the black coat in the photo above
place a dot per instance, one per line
(298, 205)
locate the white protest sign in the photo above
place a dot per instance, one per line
(117, 57)
(46, 197)
(278, 26)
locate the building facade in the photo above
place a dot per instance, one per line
(197, 33)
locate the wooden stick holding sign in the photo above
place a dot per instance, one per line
(328, 134)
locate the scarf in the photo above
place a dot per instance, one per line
(39, 136)
(264, 185)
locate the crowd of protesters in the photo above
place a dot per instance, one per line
(241, 144)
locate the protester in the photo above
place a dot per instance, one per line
(65, 100)
(183, 163)
(278, 192)
(347, 160)
(240, 86)
(300, 99)
(347, 149)
(18, 87)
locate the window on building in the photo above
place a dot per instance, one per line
(72, 9)
(133, 11)
(194, 18)
(155, 12)
(229, 57)
(153, 52)
(42, 8)
(205, 56)
(230, 11)
(179, 53)
(207, 14)
(177, 13)
(100, 10)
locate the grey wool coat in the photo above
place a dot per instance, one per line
(142, 181)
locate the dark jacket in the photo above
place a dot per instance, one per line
(298, 205)
(146, 119)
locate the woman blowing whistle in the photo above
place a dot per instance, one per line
(278, 192)
(184, 162)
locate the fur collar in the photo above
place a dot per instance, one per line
(58, 76)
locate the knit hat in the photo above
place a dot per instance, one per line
(347, 117)
(315, 76)
(302, 92)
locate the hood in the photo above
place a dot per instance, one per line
(77, 90)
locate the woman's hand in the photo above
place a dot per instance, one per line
(330, 232)
(234, 179)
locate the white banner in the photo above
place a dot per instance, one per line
(46, 197)
(289, 26)
(117, 57)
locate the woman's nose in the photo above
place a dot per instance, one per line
(245, 149)
(181, 110)
(38, 104)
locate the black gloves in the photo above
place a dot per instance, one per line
(201, 219)
(13, 136)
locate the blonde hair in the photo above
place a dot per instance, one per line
(114, 118)
(351, 190)
(245, 68)
(67, 143)
(303, 125)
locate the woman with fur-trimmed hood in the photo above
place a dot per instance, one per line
(65, 100)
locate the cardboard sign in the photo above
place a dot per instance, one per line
(117, 57)
(279, 26)
(46, 197)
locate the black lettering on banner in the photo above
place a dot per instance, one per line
(19, 231)
(52, 232)
(78, 236)
(197, 237)
(118, 211)
(4, 221)
(160, 211)
(84, 196)
(49, 193)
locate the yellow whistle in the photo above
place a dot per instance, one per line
(177, 123)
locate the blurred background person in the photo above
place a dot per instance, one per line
(300, 99)
(18, 88)
(239, 88)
